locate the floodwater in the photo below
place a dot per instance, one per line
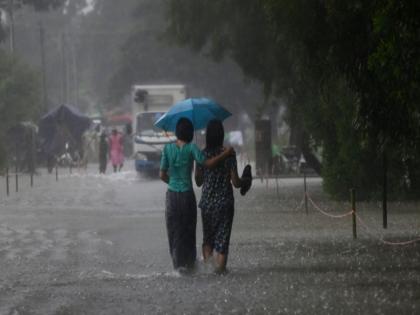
(96, 244)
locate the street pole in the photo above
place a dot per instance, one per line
(64, 69)
(32, 158)
(73, 72)
(7, 181)
(68, 69)
(16, 168)
(43, 64)
(12, 27)
(305, 189)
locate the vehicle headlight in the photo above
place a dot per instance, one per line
(141, 156)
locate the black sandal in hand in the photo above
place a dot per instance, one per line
(246, 179)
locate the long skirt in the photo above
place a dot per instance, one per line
(117, 157)
(181, 221)
(217, 227)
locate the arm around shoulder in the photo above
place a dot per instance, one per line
(212, 162)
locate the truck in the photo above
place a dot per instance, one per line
(149, 103)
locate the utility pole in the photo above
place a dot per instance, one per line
(43, 65)
(72, 71)
(12, 26)
(75, 73)
(64, 69)
(68, 68)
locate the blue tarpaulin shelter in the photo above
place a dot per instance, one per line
(60, 125)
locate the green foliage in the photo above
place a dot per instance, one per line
(349, 71)
(19, 96)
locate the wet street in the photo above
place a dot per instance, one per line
(91, 244)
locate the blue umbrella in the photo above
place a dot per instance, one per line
(199, 110)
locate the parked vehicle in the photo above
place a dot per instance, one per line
(149, 102)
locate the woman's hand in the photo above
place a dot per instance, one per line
(228, 151)
(164, 176)
(198, 175)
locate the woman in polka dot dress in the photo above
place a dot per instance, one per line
(217, 201)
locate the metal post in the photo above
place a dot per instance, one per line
(385, 192)
(43, 63)
(305, 191)
(16, 169)
(74, 63)
(64, 69)
(353, 207)
(7, 181)
(12, 26)
(56, 172)
(266, 176)
(277, 185)
(32, 158)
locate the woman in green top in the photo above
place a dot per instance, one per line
(181, 207)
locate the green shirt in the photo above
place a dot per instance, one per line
(178, 162)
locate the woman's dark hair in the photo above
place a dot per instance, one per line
(184, 130)
(215, 134)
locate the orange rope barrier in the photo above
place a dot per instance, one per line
(369, 231)
(364, 225)
(334, 216)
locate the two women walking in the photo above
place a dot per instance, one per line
(216, 169)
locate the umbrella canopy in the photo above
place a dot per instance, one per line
(199, 110)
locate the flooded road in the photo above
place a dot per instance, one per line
(91, 244)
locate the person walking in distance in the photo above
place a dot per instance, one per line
(116, 150)
(103, 153)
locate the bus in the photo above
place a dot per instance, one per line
(149, 103)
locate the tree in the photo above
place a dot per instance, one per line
(347, 69)
(19, 96)
(19, 88)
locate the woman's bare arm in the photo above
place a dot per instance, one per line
(164, 176)
(234, 177)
